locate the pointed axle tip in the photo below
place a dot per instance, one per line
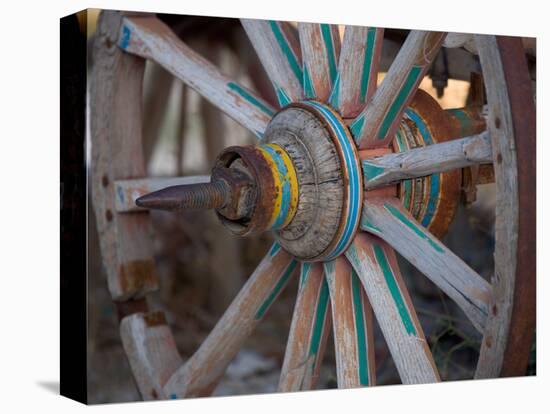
(186, 197)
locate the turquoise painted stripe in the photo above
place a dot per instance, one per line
(304, 273)
(334, 98)
(394, 289)
(274, 249)
(354, 208)
(309, 89)
(320, 317)
(463, 119)
(367, 225)
(250, 98)
(434, 178)
(286, 188)
(362, 345)
(331, 55)
(407, 184)
(402, 218)
(397, 104)
(287, 50)
(356, 127)
(282, 97)
(125, 39)
(367, 63)
(371, 171)
(330, 268)
(276, 290)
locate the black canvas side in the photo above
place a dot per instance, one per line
(73, 329)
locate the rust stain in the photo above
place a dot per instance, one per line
(155, 319)
(136, 275)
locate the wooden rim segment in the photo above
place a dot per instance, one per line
(115, 126)
(511, 323)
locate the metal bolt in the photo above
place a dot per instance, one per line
(211, 195)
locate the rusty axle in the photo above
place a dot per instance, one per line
(213, 195)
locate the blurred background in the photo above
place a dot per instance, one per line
(202, 267)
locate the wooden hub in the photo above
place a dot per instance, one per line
(329, 177)
(307, 180)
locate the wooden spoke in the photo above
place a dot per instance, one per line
(320, 45)
(352, 326)
(150, 38)
(376, 125)
(127, 191)
(357, 70)
(308, 331)
(278, 48)
(200, 374)
(386, 218)
(151, 351)
(420, 162)
(376, 265)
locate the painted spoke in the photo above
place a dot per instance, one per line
(376, 125)
(278, 48)
(357, 69)
(200, 374)
(308, 331)
(376, 265)
(320, 45)
(352, 326)
(386, 218)
(150, 38)
(127, 191)
(420, 162)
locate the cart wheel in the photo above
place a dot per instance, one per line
(344, 175)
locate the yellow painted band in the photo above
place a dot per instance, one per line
(277, 184)
(292, 179)
(285, 182)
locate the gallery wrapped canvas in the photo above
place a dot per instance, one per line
(256, 206)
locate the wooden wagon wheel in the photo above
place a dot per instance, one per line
(344, 175)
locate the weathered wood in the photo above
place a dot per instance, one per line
(127, 191)
(376, 265)
(116, 141)
(150, 38)
(376, 125)
(420, 162)
(501, 128)
(353, 326)
(200, 374)
(278, 48)
(308, 332)
(151, 351)
(388, 219)
(320, 45)
(357, 69)
(320, 178)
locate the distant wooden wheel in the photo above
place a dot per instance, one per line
(344, 175)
